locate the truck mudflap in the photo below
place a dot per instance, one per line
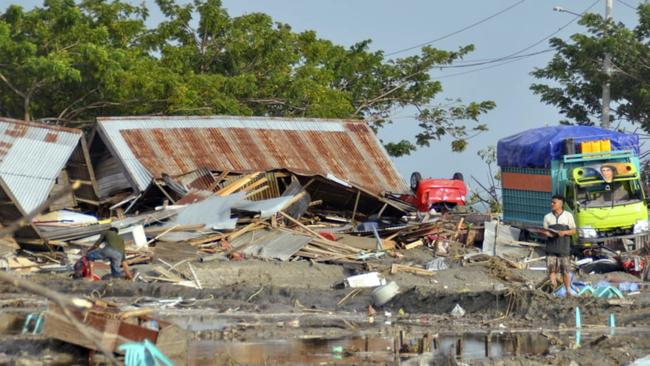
(630, 242)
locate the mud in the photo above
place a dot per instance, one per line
(272, 309)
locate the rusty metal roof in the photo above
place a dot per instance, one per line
(346, 149)
(32, 156)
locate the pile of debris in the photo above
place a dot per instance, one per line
(233, 216)
(184, 189)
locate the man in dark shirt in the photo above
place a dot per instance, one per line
(113, 250)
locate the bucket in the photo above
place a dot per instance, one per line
(385, 293)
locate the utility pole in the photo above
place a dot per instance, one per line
(604, 123)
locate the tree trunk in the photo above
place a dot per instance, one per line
(26, 103)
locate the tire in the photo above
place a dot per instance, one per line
(416, 177)
(458, 176)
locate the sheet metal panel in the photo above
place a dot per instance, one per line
(213, 212)
(348, 149)
(271, 244)
(31, 158)
(266, 208)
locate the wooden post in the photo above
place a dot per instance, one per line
(164, 191)
(382, 209)
(517, 345)
(356, 203)
(426, 343)
(488, 345)
(396, 349)
(460, 344)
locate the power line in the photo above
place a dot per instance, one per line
(481, 69)
(515, 56)
(458, 31)
(626, 4)
(556, 32)
(494, 60)
(511, 57)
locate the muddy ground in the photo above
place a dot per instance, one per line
(269, 312)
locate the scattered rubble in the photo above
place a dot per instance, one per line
(264, 252)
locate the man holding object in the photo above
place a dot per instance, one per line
(561, 226)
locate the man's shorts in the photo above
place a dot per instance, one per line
(556, 264)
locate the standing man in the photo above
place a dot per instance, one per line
(558, 247)
(113, 250)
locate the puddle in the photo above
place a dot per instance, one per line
(342, 351)
(353, 350)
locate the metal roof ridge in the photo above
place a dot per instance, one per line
(252, 118)
(40, 125)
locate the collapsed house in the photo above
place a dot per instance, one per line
(339, 162)
(37, 165)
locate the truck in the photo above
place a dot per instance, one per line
(596, 170)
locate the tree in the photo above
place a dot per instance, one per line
(489, 196)
(577, 74)
(98, 58)
(65, 61)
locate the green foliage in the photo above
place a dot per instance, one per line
(69, 62)
(576, 71)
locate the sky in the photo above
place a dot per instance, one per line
(396, 25)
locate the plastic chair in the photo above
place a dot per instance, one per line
(38, 323)
(608, 292)
(143, 354)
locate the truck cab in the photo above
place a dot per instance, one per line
(605, 194)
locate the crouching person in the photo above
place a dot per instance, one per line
(113, 251)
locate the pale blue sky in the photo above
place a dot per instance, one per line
(395, 25)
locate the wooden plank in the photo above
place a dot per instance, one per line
(255, 184)
(218, 180)
(395, 268)
(207, 239)
(155, 230)
(237, 184)
(414, 244)
(155, 182)
(111, 331)
(90, 202)
(261, 189)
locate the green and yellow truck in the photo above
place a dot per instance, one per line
(596, 170)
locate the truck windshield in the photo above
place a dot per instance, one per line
(609, 194)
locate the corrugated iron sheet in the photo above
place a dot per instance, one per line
(271, 244)
(347, 149)
(31, 157)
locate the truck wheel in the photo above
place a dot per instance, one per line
(416, 177)
(458, 176)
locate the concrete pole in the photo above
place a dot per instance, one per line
(604, 123)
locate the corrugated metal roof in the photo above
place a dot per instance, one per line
(31, 157)
(347, 149)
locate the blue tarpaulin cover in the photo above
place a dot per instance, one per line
(536, 148)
